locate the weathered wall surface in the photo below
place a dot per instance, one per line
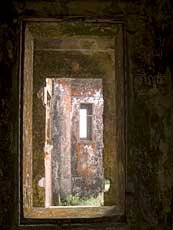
(61, 141)
(77, 167)
(149, 189)
(87, 155)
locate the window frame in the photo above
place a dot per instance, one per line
(90, 212)
(89, 136)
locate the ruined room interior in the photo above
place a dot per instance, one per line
(73, 141)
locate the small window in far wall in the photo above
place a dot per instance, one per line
(86, 121)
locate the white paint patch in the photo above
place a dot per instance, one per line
(41, 182)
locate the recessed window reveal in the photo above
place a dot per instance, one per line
(85, 121)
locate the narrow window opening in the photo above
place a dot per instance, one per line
(86, 121)
(83, 123)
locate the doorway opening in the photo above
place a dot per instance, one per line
(74, 172)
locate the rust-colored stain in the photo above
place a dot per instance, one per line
(67, 97)
(94, 147)
(84, 168)
(46, 156)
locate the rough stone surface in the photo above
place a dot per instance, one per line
(87, 155)
(149, 189)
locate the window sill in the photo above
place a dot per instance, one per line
(72, 212)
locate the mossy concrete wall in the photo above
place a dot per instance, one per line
(149, 38)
